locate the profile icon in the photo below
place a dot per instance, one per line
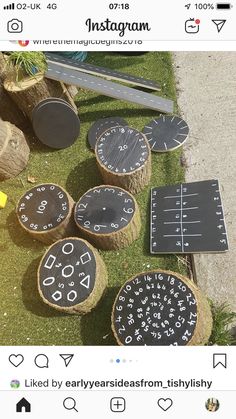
(212, 405)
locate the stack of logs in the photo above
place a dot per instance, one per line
(17, 101)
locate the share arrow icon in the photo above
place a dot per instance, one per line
(67, 358)
(219, 24)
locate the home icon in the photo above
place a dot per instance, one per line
(23, 406)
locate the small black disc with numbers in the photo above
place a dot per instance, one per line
(155, 308)
(122, 150)
(166, 133)
(100, 126)
(104, 210)
(67, 273)
(43, 207)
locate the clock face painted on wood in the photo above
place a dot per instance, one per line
(122, 150)
(166, 133)
(43, 208)
(67, 273)
(104, 210)
(155, 308)
(102, 125)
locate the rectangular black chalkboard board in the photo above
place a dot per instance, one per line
(187, 218)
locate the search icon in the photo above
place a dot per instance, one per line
(70, 404)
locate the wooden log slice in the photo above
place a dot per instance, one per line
(161, 308)
(31, 90)
(72, 276)
(55, 123)
(46, 213)
(14, 150)
(166, 133)
(108, 217)
(124, 158)
(102, 125)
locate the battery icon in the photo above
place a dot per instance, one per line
(223, 6)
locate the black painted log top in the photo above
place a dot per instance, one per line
(67, 273)
(56, 123)
(155, 309)
(43, 208)
(104, 210)
(100, 126)
(122, 150)
(166, 133)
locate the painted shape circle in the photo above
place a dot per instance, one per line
(67, 273)
(104, 210)
(55, 123)
(155, 308)
(122, 150)
(166, 133)
(43, 208)
(100, 126)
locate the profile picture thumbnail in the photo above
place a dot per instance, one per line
(212, 405)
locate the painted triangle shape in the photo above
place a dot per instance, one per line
(85, 282)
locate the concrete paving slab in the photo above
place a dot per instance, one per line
(206, 84)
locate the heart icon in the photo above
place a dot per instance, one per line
(165, 404)
(16, 360)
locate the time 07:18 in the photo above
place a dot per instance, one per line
(116, 6)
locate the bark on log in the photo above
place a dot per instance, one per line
(14, 150)
(8, 109)
(46, 213)
(190, 321)
(79, 272)
(118, 214)
(31, 90)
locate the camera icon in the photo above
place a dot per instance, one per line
(15, 26)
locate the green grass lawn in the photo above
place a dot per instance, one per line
(24, 318)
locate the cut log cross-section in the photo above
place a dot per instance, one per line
(46, 213)
(124, 158)
(165, 307)
(14, 150)
(108, 217)
(28, 92)
(72, 276)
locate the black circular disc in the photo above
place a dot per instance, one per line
(43, 207)
(67, 273)
(155, 308)
(100, 126)
(56, 124)
(122, 150)
(166, 133)
(49, 100)
(104, 210)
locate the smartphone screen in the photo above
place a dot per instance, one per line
(117, 209)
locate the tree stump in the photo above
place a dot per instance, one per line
(72, 276)
(8, 109)
(46, 213)
(108, 217)
(28, 92)
(124, 158)
(164, 307)
(14, 150)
